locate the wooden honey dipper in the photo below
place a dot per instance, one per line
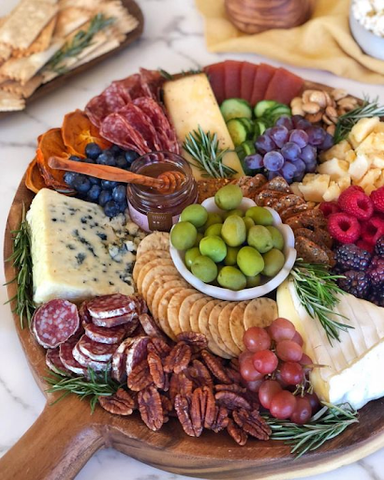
(166, 182)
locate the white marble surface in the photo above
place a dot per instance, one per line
(173, 39)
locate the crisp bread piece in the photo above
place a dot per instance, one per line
(70, 19)
(23, 91)
(40, 44)
(10, 102)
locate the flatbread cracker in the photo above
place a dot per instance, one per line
(174, 309)
(145, 258)
(70, 19)
(124, 22)
(24, 91)
(179, 283)
(153, 274)
(163, 310)
(218, 344)
(225, 331)
(236, 324)
(40, 44)
(195, 312)
(156, 284)
(154, 241)
(185, 311)
(10, 102)
(204, 325)
(260, 312)
(152, 264)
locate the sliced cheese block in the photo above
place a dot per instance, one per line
(352, 368)
(76, 251)
(190, 102)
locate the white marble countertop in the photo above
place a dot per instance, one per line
(173, 40)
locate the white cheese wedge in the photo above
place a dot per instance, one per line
(77, 252)
(353, 367)
(190, 102)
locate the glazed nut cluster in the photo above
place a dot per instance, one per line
(320, 106)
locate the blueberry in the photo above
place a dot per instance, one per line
(119, 193)
(105, 196)
(115, 149)
(131, 155)
(92, 150)
(89, 160)
(94, 180)
(94, 193)
(75, 158)
(69, 178)
(123, 206)
(81, 184)
(108, 184)
(111, 209)
(106, 158)
(121, 162)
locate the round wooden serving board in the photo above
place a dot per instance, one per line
(66, 435)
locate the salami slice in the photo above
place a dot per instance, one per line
(117, 130)
(101, 352)
(131, 326)
(149, 326)
(115, 305)
(69, 361)
(87, 362)
(111, 100)
(55, 322)
(54, 363)
(136, 353)
(119, 361)
(105, 335)
(85, 316)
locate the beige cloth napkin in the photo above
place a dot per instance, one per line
(324, 42)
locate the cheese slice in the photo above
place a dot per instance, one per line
(190, 102)
(77, 252)
(352, 369)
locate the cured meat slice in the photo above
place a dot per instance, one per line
(101, 352)
(55, 322)
(69, 361)
(215, 74)
(105, 335)
(85, 316)
(131, 326)
(54, 363)
(149, 326)
(111, 322)
(119, 361)
(136, 353)
(232, 70)
(88, 362)
(117, 130)
(106, 306)
(284, 86)
(247, 80)
(263, 76)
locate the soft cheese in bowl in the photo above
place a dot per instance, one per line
(366, 21)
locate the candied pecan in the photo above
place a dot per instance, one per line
(199, 374)
(150, 407)
(221, 419)
(167, 407)
(215, 366)
(159, 346)
(237, 433)
(234, 375)
(197, 410)
(121, 403)
(178, 359)
(179, 383)
(230, 388)
(198, 341)
(210, 408)
(140, 376)
(182, 407)
(252, 423)
(234, 364)
(156, 369)
(232, 400)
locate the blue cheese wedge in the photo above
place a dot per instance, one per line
(352, 370)
(77, 251)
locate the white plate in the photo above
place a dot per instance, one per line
(247, 293)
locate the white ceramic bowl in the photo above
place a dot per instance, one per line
(370, 43)
(247, 293)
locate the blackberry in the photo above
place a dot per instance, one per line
(376, 272)
(376, 296)
(355, 283)
(351, 257)
(379, 247)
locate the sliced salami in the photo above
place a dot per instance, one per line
(85, 316)
(105, 335)
(85, 361)
(119, 361)
(137, 353)
(116, 305)
(115, 321)
(69, 361)
(54, 363)
(131, 326)
(150, 327)
(101, 352)
(55, 322)
(117, 130)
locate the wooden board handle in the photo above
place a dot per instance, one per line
(56, 446)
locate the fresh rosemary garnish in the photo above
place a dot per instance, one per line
(327, 423)
(317, 291)
(22, 261)
(94, 387)
(78, 43)
(208, 157)
(347, 121)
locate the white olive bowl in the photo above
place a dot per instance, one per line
(371, 44)
(246, 293)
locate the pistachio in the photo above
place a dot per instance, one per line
(311, 107)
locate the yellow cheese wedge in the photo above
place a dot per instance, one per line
(190, 102)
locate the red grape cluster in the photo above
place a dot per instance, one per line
(275, 366)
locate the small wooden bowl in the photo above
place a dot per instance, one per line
(254, 16)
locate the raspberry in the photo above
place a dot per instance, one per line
(356, 203)
(328, 208)
(379, 247)
(351, 257)
(344, 228)
(355, 283)
(373, 229)
(377, 197)
(365, 245)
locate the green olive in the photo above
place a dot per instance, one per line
(273, 262)
(234, 232)
(229, 197)
(204, 269)
(183, 235)
(260, 238)
(260, 215)
(232, 278)
(213, 247)
(195, 214)
(250, 261)
(191, 255)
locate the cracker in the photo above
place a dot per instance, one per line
(185, 310)
(236, 324)
(154, 241)
(24, 91)
(40, 44)
(149, 266)
(259, 312)
(124, 22)
(160, 292)
(278, 184)
(156, 272)
(291, 211)
(10, 102)
(195, 312)
(156, 284)
(205, 312)
(145, 258)
(163, 310)
(5, 52)
(174, 309)
(287, 201)
(225, 331)
(218, 344)
(70, 19)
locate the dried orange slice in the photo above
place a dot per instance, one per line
(33, 178)
(78, 131)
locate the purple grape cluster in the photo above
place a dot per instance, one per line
(289, 149)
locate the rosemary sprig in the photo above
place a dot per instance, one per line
(22, 261)
(207, 156)
(94, 387)
(78, 43)
(327, 423)
(346, 122)
(317, 291)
